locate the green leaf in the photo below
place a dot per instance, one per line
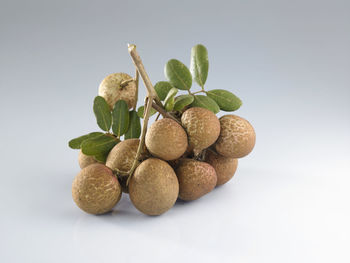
(102, 113)
(101, 157)
(199, 64)
(205, 102)
(226, 100)
(141, 110)
(134, 130)
(120, 116)
(99, 147)
(182, 101)
(76, 142)
(169, 100)
(178, 74)
(162, 88)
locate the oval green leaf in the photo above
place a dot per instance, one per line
(205, 102)
(99, 147)
(178, 74)
(162, 88)
(76, 142)
(199, 64)
(169, 100)
(120, 117)
(134, 130)
(226, 100)
(141, 110)
(182, 101)
(102, 113)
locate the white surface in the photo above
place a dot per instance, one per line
(260, 216)
(289, 61)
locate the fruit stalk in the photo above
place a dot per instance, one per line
(137, 76)
(141, 69)
(151, 96)
(164, 113)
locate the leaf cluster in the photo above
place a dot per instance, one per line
(114, 123)
(179, 77)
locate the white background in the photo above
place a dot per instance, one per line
(289, 61)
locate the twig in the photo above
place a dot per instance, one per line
(137, 77)
(125, 82)
(152, 95)
(139, 65)
(164, 113)
(148, 106)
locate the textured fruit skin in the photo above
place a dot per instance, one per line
(85, 160)
(95, 190)
(195, 179)
(166, 139)
(121, 158)
(111, 90)
(225, 167)
(237, 137)
(153, 189)
(202, 127)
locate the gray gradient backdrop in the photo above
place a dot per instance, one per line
(289, 61)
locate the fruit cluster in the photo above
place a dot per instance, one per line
(185, 155)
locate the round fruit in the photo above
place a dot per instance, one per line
(195, 179)
(166, 139)
(153, 188)
(225, 167)
(95, 189)
(202, 126)
(85, 160)
(122, 156)
(121, 159)
(111, 90)
(237, 137)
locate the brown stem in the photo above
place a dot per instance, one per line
(137, 77)
(164, 113)
(152, 95)
(125, 82)
(139, 65)
(148, 106)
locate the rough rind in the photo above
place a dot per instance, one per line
(85, 160)
(195, 179)
(225, 167)
(122, 156)
(166, 139)
(237, 137)
(202, 127)
(154, 187)
(111, 90)
(95, 190)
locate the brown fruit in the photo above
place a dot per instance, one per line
(95, 189)
(195, 179)
(111, 90)
(202, 126)
(166, 139)
(225, 167)
(237, 137)
(121, 158)
(85, 160)
(153, 188)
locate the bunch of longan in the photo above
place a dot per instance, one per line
(185, 155)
